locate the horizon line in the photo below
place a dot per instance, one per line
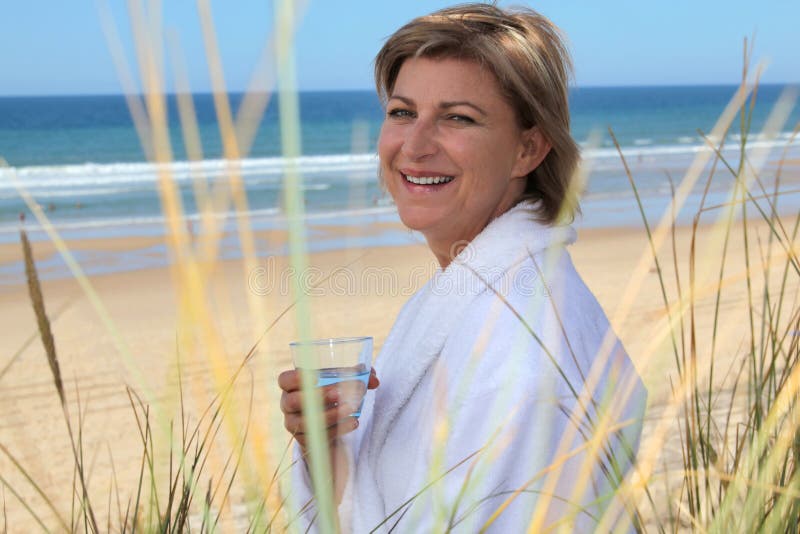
(353, 90)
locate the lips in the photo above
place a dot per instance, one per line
(428, 180)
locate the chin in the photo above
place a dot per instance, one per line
(418, 219)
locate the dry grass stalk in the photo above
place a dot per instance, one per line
(43, 324)
(37, 300)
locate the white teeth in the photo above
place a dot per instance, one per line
(428, 180)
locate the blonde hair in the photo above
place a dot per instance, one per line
(531, 63)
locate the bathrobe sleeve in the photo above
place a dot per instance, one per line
(497, 393)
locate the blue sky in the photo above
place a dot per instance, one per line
(57, 47)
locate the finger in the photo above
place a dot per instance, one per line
(373, 380)
(339, 415)
(332, 433)
(294, 424)
(292, 402)
(289, 380)
(343, 427)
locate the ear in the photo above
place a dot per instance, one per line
(533, 148)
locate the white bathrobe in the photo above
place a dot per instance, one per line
(484, 363)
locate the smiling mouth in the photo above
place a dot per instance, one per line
(428, 180)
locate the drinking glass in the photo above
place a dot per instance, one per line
(345, 361)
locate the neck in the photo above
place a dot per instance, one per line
(447, 248)
(445, 252)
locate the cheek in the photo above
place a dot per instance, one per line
(494, 161)
(388, 143)
(385, 157)
(474, 151)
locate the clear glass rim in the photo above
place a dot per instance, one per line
(330, 341)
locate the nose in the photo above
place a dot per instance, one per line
(420, 140)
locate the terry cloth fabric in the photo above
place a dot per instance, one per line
(501, 365)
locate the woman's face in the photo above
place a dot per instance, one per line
(452, 155)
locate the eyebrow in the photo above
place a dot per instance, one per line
(443, 105)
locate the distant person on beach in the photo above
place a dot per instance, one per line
(500, 371)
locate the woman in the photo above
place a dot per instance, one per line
(503, 364)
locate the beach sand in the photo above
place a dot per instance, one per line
(363, 295)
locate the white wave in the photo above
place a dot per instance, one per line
(107, 174)
(66, 193)
(377, 210)
(115, 178)
(760, 142)
(316, 187)
(82, 192)
(157, 222)
(139, 221)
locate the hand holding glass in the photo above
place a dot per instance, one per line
(343, 361)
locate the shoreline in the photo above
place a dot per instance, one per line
(104, 250)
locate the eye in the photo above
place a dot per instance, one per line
(461, 118)
(400, 113)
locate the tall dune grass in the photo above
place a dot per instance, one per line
(207, 464)
(738, 424)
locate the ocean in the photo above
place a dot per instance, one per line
(81, 159)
